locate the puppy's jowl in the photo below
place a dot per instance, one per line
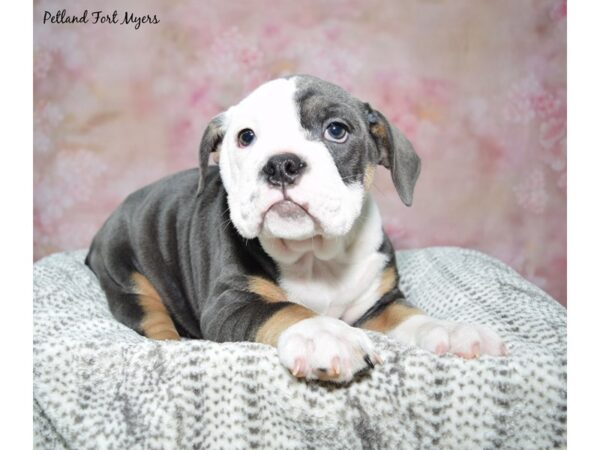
(281, 243)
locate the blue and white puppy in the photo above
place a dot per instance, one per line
(282, 243)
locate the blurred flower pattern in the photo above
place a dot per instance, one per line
(479, 88)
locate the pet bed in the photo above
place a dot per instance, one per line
(99, 385)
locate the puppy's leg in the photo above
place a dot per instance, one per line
(132, 299)
(309, 345)
(156, 322)
(393, 316)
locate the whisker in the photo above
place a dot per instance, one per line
(225, 212)
(224, 224)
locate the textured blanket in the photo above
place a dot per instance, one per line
(98, 384)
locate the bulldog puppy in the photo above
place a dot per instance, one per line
(280, 244)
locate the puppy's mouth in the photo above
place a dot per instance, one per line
(287, 219)
(288, 209)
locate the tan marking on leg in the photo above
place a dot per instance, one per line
(268, 290)
(392, 315)
(369, 176)
(389, 280)
(270, 331)
(157, 323)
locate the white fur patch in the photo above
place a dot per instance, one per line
(337, 277)
(441, 336)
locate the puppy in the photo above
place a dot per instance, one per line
(282, 244)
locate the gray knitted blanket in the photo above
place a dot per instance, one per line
(99, 385)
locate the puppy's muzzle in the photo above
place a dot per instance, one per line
(284, 169)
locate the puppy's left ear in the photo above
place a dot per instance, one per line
(395, 153)
(211, 140)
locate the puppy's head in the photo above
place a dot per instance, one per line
(298, 154)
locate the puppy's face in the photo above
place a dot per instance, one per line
(297, 155)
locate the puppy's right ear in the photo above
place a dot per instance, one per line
(211, 141)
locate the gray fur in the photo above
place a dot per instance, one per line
(211, 140)
(320, 102)
(398, 155)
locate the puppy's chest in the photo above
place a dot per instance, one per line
(334, 287)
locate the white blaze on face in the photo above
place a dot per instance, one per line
(322, 204)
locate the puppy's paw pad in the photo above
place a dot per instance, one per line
(326, 349)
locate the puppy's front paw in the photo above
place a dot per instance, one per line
(441, 336)
(326, 349)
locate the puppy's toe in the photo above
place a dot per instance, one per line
(465, 341)
(491, 342)
(434, 339)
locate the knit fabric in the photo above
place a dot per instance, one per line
(100, 385)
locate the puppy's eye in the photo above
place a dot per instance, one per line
(336, 132)
(246, 137)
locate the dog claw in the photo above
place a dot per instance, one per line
(378, 359)
(335, 365)
(368, 361)
(297, 371)
(476, 350)
(440, 349)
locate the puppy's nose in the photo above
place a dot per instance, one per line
(283, 169)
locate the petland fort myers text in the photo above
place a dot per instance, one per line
(100, 17)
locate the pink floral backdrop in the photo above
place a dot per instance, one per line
(479, 87)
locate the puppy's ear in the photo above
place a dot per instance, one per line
(211, 140)
(395, 153)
